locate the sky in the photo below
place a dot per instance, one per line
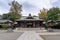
(29, 6)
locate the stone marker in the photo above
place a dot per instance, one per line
(9, 30)
(50, 30)
(30, 35)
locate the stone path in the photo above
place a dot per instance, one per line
(30, 35)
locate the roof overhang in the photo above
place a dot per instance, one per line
(31, 20)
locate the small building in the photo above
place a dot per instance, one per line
(30, 22)
(4, 20)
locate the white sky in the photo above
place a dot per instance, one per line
(29, 6)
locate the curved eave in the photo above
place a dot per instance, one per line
(31, 20)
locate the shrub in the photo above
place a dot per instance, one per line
(5, 26)
(46, 28)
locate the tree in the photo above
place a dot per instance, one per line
(5, 16)
(43, 14)
(13, 16)
(15, 7)
(14, 12)
(52, 15)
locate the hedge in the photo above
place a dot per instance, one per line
(5, 26)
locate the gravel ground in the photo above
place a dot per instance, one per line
(51, 37)
(10, 36)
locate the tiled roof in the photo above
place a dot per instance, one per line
(2, 20)
(25, 18)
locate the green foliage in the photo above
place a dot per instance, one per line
(52, 15)
(5, 16)
(13, 16)
(5, 26)
(59, 17)
(15, 11)
(15, 7)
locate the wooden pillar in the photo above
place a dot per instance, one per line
(25, 24)
(34, 24)
(22, 24)
(37, 24)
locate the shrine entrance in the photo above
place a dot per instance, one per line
(29, 25)
(30, 22)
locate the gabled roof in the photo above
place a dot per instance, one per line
(29, 18)
(25, 18)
